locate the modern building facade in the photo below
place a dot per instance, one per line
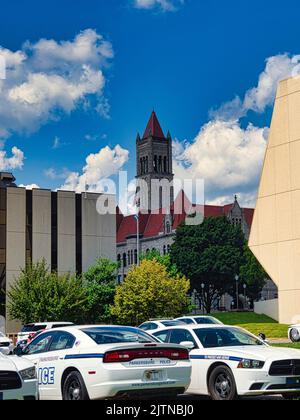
(275, 235)
(62, 227)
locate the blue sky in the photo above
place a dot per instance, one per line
(60, 105)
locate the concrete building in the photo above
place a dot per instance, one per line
(62, 227)
(275, 235)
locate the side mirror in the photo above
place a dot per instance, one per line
(18, 351)
(262, 336)
(188, 344)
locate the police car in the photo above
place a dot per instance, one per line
(294, 333)
(156, 325)
(18, 379)
(228, 362)
(102, 362)
(6, 345)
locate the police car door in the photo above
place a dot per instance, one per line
(37, 352)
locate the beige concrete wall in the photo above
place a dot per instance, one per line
(269, 308)
(41, 226)
(66, 232)
(16, 241)
(275, 235)
(98, 232)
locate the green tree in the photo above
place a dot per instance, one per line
(39, 296)
(100, 283)
(252, 274)
(149, 291)
(162, 259)
(209, 254)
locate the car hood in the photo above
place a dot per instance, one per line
(14, 363)
(262, 353)
(4, 340)
(295, 326)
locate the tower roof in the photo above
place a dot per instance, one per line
(153, 128)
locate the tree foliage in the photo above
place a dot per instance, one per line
(100, 283)
(149, 291)
(39, 296)
(252, 274)
(162, 259)
(209, 254)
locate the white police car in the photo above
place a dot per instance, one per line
(294, 333)
(200, 320)
(6, 345)
(229, 361)
(80, 363)
(18, 379)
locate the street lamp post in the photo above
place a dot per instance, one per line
(237, 291)
(203, 307)
(245, 298)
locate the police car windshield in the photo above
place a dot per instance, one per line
(226, 337)
(118, 335)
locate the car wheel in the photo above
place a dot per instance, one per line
(74, 388)
(295, 335)
(221, 384)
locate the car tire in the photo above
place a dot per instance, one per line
(74, 388)
(221, 384)
(295, 335)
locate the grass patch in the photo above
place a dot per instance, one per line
(254, 323)
(290, 345)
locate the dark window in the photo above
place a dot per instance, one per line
(116, 335)
(78, 233)
(135, 257)
(179, 336)
(40, 345)
(62, 341)
(54, 232)
(28, 227)
(162, 336)
(124, 260)
(165, 164)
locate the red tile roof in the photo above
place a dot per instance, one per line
(153, 128)
(151, 225)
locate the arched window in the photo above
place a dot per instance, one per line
(131, 254)
(155, 164)
(141, 166)
(147, 164)
(119, 258)
(165, 164)
(169, 249)
(160, 164)
(129, 259)
(135, 257)
(165, 249)
(124, 260)
(168, 228)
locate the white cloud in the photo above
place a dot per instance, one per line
(165, 5)
(227, 155)
(104, 164)
(29, 187)
(51, 173)
(47, 79)
(15, 161)
(261, 96)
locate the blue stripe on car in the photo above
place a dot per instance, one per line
(84, 356)
(231, 359)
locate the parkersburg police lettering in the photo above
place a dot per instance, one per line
(154, 410)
